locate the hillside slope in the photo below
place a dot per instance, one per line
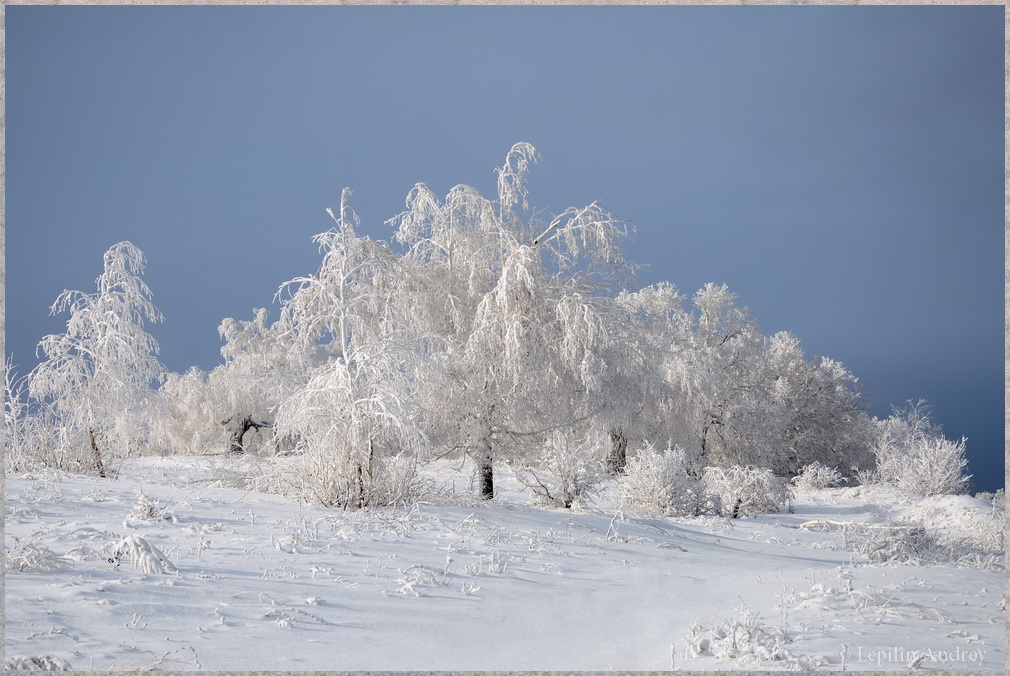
(219, 578)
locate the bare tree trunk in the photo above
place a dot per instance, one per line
(485, 472)
(485, 457)
(361, 501)
(244, 425)
(361, 488)
(95, 452)
(618, 450)
(706, 446)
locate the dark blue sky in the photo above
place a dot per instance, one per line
(841, 168)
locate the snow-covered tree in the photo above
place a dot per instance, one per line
(512, 313)
(751, 400)
(821, 410)
(263, 365)
(723, 377)
(649, 405)
(352, 418)
(98, 375)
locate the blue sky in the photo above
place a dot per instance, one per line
(841, 168)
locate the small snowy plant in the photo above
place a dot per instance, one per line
(747, 490)
(746, 640)
(148, 510)
(32, 556)
(659, 481)
(815, 477)
(566, 472)
(145, 557)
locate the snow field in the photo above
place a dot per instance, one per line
(217, 578)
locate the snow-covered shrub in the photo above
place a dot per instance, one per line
(35, 435)
(32, 440)
(815, 477)
(350, 427)
(148, 510)
(747, 490)
(145, 557)
(997, 499)
(658, 481)
(32, 556)
(913, 455)
(944, 529)
(33, 663)
(565, 473)
(898, 544)
(316, 476)
(747, 640)
(918, 545)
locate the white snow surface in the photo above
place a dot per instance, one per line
(231, 579)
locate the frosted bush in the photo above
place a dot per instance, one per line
(566, 473)
(918, 545)
(913, 455)
(747, 640)
(997, 499)
(33, 663)
(316, 476)
(658, 481)
(32, 556)
(148, 510)
(34, 436)
(957, 530)
(747, 490)
(815, 477)
(145, 557)
(898, 544)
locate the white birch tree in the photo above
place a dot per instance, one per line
(722, 375)
(512, 313)
(822, 412)
(98, 375)
(649, 403)
(351, 420)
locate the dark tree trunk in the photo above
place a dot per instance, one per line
(99, 465)
(485, 472)
(485, 455)
(244, 425)
(618, 450)
(706, 446)
(360, 488)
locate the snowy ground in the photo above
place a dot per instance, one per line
(216, 578)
